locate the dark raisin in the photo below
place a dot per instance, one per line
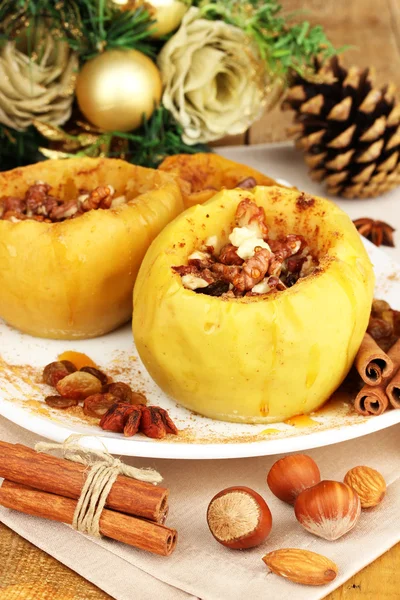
(214, 289)
(102, 377)
(60, 402)
(54, 372)
(71, 368)
(291, 279)
(120, 390)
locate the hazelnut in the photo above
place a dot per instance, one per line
(239, 518)
(290, 476)
(329, 509)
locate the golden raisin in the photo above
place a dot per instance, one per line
(78, 385)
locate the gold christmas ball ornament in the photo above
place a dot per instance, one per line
(168, 15)
(117, 88)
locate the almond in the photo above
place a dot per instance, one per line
(301, 566)
(368, 484)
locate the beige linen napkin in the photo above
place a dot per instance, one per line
(200, 567)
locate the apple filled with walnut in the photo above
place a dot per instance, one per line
(72, 236)
(252, 306)
(202, 175)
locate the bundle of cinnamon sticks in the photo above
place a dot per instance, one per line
(48, 487)
(380, 373)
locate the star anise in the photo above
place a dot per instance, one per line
(378, 232)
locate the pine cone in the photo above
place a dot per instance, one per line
(348, 129)
(38, 85)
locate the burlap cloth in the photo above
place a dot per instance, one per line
(200, 567)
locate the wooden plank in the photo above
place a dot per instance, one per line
(378, 581)
(28, 573)
(371, 27)
(231, 140)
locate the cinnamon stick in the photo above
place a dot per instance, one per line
(371, 401)
(372, 363)
(374, 400)
(393, 390)
(23, 465)
(142, 534)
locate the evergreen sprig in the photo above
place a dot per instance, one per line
(159, 137)
(284, 47)
(101, 25)
(19, 148)
(89, 26)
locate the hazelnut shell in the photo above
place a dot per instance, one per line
(264, 525)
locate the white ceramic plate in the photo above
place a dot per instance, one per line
(21, 398)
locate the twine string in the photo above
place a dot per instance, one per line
(104, 470)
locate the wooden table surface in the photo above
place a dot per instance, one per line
(372, 27)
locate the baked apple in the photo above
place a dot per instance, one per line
(203, 175)
(72, 236)
(252, 307)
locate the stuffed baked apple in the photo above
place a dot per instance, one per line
(72, 236)
(252, 307)
(203, 175)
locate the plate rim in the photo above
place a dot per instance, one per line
(182, 451)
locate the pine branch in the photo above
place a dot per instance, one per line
(284, 47)
(89, 26)
(19, 148)
(158, 138)
(102, 25)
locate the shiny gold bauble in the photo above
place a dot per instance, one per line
(115, 89)
(167, 13)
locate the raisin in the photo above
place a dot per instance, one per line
(78, 385)
(102, 377)
(98, 404)
(138, 398)
(71, 368)
(291, 279)
(54, 372)
(60, 402)
(214, 289)
(379, 329)
(120, 390)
